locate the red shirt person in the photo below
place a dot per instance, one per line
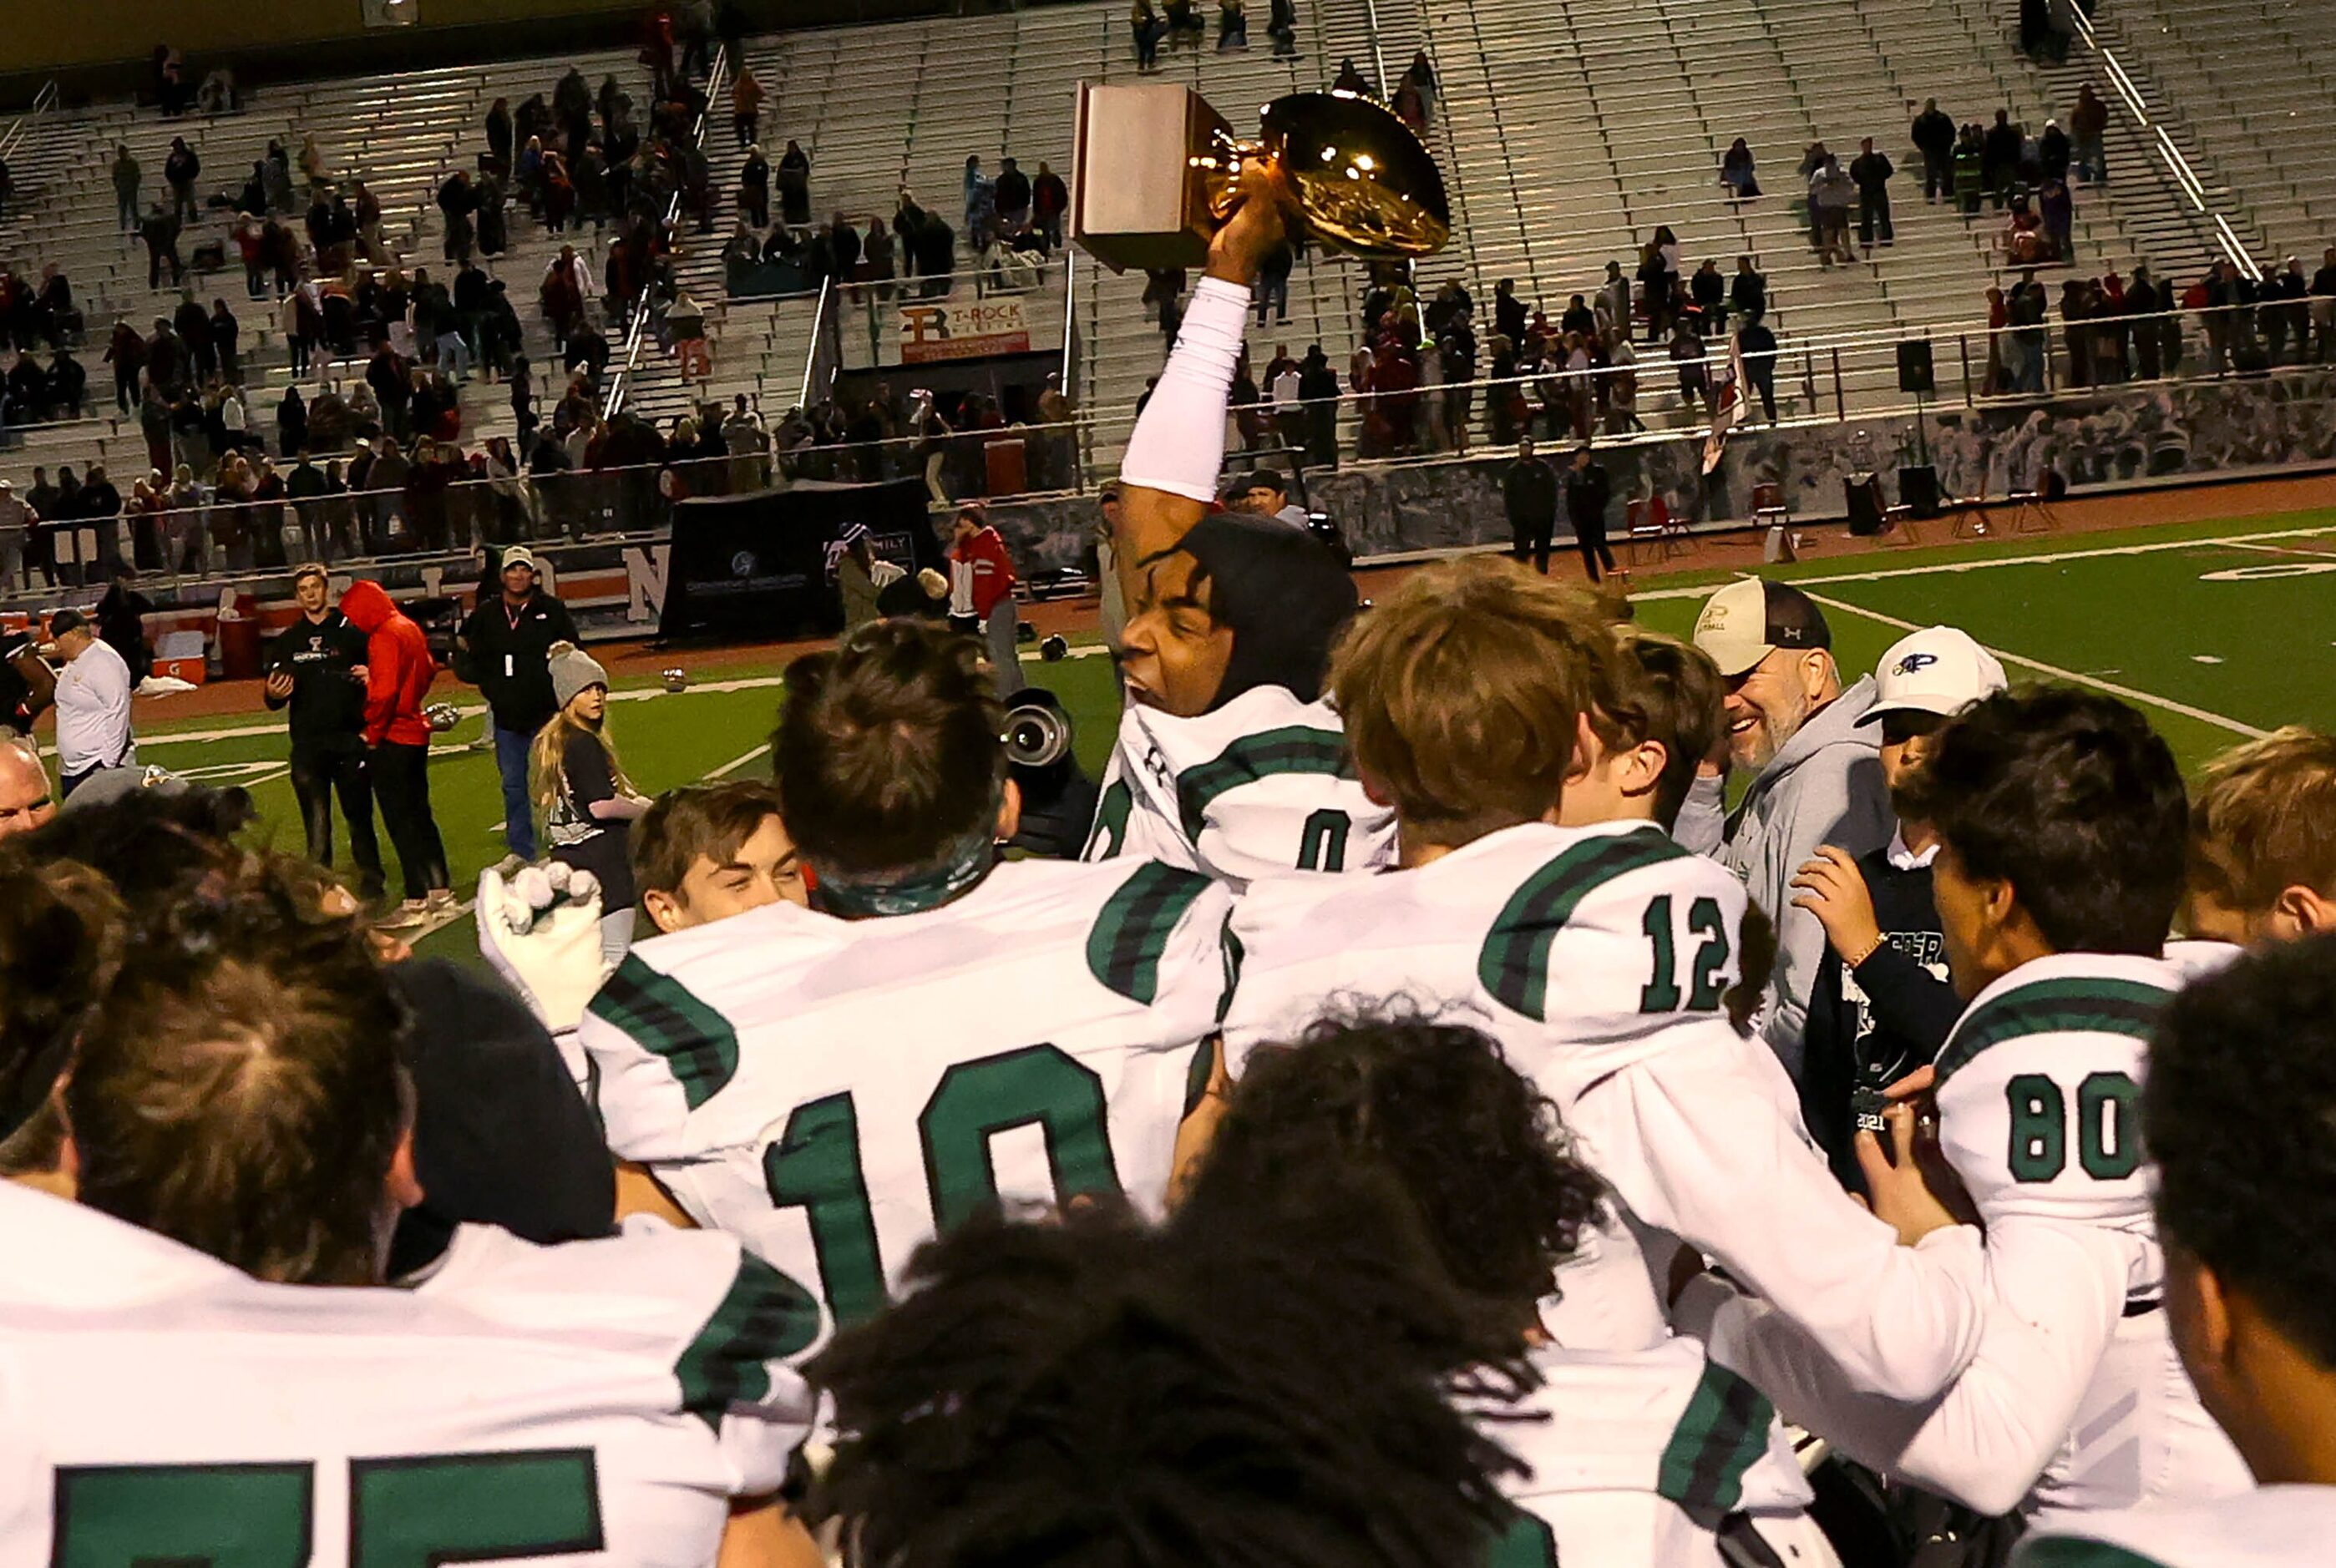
(398, 674)
(982, 592)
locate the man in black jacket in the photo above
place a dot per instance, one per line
(317, 665)
(505, 650)
(1881, 1005)
(1587, 491)
(1934, 133)
(1529, 495)
(1871, 171)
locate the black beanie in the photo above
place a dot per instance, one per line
(1282, 593)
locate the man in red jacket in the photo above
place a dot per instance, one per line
(981, 592)
(398, 673)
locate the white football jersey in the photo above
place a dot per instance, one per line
(1635, 1456)
(597, 1403)
(2075, 1402)
(836, 1093)
(1599, 957)
(2039, 1089)
(2284, 1527)
(1258, 788)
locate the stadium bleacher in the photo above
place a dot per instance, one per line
(1568, 135)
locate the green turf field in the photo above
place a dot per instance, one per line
(2219, 631)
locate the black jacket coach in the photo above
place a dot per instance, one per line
(506, 655)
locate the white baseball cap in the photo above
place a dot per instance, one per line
(1937, 670)
(1751, 618)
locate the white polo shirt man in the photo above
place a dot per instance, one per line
(94, 694)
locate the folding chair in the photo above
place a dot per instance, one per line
(2035, 514)
(1966, 513)
(1649, 523)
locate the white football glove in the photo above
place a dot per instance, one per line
(542, 931)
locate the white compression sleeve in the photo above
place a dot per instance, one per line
(1178, 443)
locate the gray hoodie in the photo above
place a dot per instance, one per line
(1824, 787)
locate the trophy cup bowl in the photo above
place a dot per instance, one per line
(1359, 182)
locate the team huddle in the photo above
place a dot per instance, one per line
(1382, 1146)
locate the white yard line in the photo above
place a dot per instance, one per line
(735, 763)
(1989, 563)
(2130, 693)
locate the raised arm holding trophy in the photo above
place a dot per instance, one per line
(1336, 168)
(1229, 617)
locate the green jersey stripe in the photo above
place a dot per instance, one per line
(1293, 748)
(763, 1317)
(1723, 1431)
(662, 1016)
(2066, 1552)
(2077, 1005)
(1110, 829)
(1131, 933)
(1513, 963)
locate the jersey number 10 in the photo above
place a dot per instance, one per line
(815, 1163)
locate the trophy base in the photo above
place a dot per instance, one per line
(1133, 203)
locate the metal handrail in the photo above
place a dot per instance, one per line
(43, 101)
(636, 330)
(2129, 91)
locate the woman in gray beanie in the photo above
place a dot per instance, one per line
(580, 787)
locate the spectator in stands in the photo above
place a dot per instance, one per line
(747, 106)
(1933, 135)
(1351, 80)
(160, 233)
(127, 179)
(499, 132)
(1050, 198)
(1737, 173)
(225, 332)
(795, 185)
(180, 170)
(1757, 345)
(2052, 152)
(1871, 171)
(126, 353)
(1709, 290)
(1282, 27)
(2323, 308)
(1013, 195)
(68, 384)
(1145, 25)
(2089, 124)
(1832, 193)
(17, 521)
(754, 189)
(2000, 158)
(1748, 291)
(2056, 213)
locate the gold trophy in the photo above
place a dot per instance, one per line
(1360, 182)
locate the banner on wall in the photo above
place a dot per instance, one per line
(946, 330)
(762, 566)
